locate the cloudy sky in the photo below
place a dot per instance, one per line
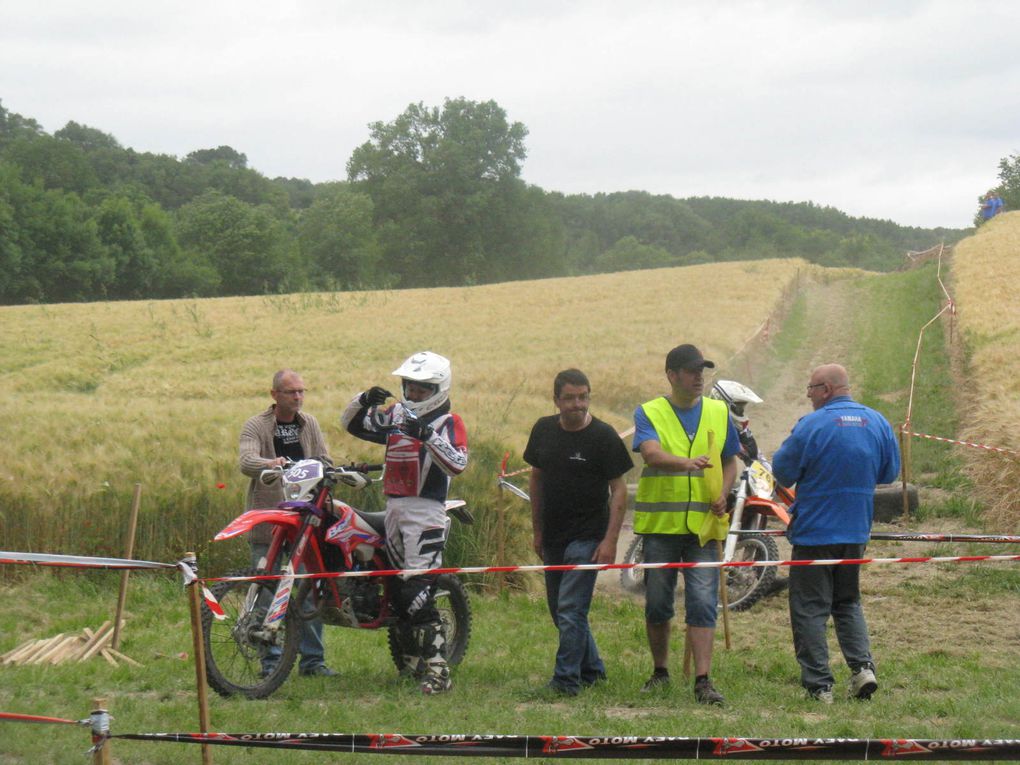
(896, 109)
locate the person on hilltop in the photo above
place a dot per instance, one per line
(578, 499)
(992, 206)
(690, 446)
(426, 444)
(835, 455)
(280, 433)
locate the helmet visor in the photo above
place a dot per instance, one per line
(418, 391)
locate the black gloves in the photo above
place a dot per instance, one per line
(374, 396)
(415, 428)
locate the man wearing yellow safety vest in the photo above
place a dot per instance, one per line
(689, 446)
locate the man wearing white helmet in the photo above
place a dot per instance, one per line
(426, 444)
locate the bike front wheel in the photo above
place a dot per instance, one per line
(747, 585)
(241, 655)
(633, 579)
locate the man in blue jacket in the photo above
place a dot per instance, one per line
(836, 456)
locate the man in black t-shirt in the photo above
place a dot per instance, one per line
(268, 440)
(578, 498)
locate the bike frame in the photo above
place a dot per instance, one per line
(296, 544)
(758, 507)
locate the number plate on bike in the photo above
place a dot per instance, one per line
(304, 471)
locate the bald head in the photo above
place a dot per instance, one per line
(827, 382)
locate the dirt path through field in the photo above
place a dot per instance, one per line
(781, 383)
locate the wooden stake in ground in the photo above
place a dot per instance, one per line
(724, 591)
(905, 469)
(129, 551)
(99, 712)
(714, 484)
(688, 652)
(500, 544)
(199, 651)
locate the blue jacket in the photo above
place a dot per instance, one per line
(836, 455)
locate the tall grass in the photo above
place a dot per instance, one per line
(100, 396)
(986, 272)
(886, 325)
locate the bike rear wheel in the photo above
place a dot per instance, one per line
(241, 657)
(746, 586)
(455, 613)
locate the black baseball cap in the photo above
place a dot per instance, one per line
(687, 357)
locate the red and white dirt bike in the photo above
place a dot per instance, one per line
(315, 533)
(757, 499)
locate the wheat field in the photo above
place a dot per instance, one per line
(99, 396)
(986, 272)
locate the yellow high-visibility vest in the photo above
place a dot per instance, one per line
(677, 502)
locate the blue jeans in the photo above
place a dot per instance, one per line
(311, 648)
(701, 585)
(568, 594)
(816, 592)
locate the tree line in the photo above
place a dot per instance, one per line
(432, 198)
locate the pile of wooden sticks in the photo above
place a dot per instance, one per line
(75, 647)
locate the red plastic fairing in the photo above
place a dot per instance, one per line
(252, 518)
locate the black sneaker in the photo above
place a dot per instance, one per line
(657, 681)
(597, 680)
(705, 692)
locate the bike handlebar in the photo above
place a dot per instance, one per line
(362, 467)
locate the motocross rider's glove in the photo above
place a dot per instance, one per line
(415, 428)
(374, 396)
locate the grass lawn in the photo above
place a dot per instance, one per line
(945, 637)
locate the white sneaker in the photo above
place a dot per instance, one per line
(823, 695)
(863, 683)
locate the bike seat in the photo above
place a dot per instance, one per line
(376, 520)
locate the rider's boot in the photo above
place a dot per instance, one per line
(412, 666)
(432, 642)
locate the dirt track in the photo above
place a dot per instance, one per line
(781, 385)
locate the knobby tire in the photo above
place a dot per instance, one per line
(233, 657)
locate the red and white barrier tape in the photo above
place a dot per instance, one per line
(12, 717)
(998, 449)
(408, 572)
(611, 747)
(79, 561)
(909, 536)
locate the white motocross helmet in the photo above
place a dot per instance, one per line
(737, 396)
(426, 368)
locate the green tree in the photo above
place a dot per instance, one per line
(337, 238)
(225, 154)
(248, 246)
(54, 163)
(440, 180)
(54, 245)
(12, 286)
(629, 254)
(178, 273)
(120, 231)
(13, 125)
(86, 138)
